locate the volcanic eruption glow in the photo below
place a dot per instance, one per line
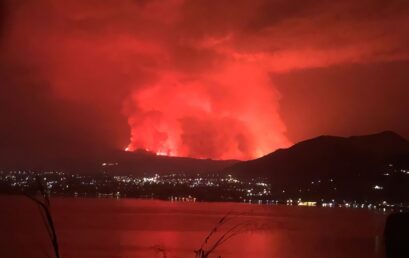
(193, 78)
(227, 113)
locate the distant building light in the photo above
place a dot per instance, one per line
(377, 187)
(307, 204)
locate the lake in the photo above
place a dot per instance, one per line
(102, 228)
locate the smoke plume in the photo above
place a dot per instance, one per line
(190, 78)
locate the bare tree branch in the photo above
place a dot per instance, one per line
(204, 252)
(44, 206)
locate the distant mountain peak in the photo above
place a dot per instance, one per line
(327, 154)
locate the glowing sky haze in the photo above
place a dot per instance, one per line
(205, 79)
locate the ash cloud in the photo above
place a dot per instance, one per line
(189, 78)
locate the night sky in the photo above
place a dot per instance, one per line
(206, 79)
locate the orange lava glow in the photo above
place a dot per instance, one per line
(224, 114)
(202, 79)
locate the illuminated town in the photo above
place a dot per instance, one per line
(188, 188)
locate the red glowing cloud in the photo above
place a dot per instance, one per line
(227, 113)
(193, 78)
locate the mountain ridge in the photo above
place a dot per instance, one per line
(356, 163)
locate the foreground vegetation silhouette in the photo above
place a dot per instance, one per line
(214, 240)
(43, 201)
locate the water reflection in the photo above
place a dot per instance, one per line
(122, 228)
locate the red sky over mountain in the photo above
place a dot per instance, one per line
(207, 79)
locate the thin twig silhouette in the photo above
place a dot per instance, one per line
(44, 206)
(206, 248)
